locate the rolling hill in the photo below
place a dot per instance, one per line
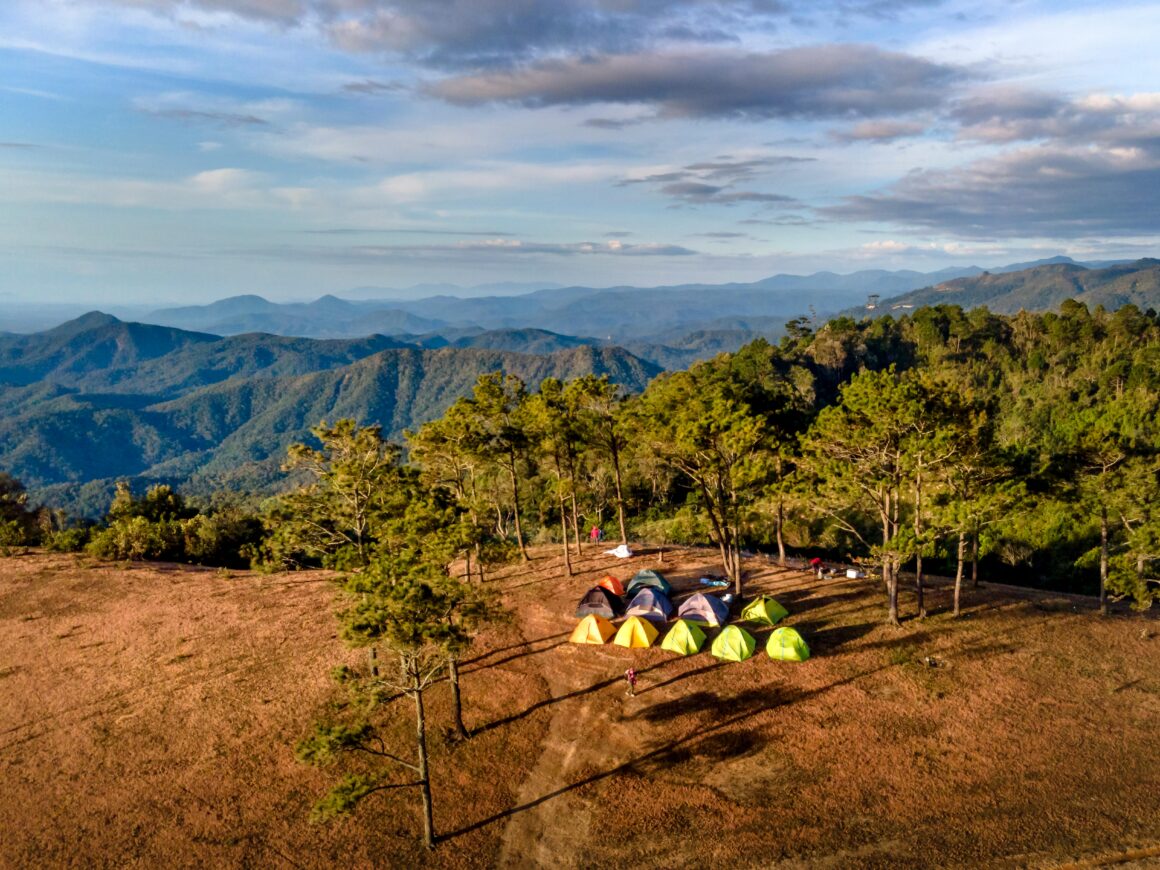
(97, 399)
(1044, 288)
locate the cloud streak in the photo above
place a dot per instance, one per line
(712, 182)
(811, 82)
(1051, 192)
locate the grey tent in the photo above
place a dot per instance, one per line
(651, 604)
(600, 601)
(647, 580)
(705, 609)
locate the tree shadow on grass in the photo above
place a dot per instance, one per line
(683, 676)
(520, 645)
(547, 702)
(512, 658)
(712, 741)
(804, 600)
(823, 638)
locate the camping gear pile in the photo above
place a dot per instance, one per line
(645, 603)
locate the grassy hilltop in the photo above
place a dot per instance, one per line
(151, 713)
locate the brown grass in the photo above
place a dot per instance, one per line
(149, 714)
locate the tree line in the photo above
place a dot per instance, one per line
(930, 442)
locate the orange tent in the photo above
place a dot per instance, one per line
(612, 585)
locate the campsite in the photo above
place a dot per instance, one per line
(151, 712)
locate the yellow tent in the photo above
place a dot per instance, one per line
(636, 633)
(684, 638)
(593, 628)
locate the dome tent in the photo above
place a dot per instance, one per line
(600, 601)
(636, 633)
(684, 638)
(705, 609)
(592, 629)
(764, 610)
(786, 645)
(650, 604)
(612, 584)
(651, 579)
(733, 644)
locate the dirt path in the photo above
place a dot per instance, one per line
(585, 734)
(536, 836)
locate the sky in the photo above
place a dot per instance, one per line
(181, 151)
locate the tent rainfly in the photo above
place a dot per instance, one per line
(592, 629)
(636, 633)
(650, 579)
(684, 638)
(733, 644)
(612, 585)
(764, 610)
(705, 609)
(786, 645)
(600, 601)
(650, 604)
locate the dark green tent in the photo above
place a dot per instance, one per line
(647, 580)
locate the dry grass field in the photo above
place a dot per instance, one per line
(149, 715)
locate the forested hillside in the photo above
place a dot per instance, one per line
(1045, 288)
(97, 399)
(926, 443)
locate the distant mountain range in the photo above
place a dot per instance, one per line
(97, 399)
(621, 315)
(669, 325)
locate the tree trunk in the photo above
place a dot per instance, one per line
(780, 536)
(576, 522)
(516, 502)
(962, 553)
(564, 537)
(456, 698)
(720, 532)
(918, 545)
(975, 560)
(892, 591)
(424, 774)
(1103, 560)
(619, 498)
(467, 563)
(479, 561)
(889, 575)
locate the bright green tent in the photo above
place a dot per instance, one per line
(765, 610)
(733, 644)
(786, 645)
(684, 638)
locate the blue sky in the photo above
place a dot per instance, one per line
(186, 150)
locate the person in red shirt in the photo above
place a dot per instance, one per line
(630, 678)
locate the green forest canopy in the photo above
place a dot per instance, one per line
(924, 442)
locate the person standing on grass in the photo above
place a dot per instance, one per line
(630, 678)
